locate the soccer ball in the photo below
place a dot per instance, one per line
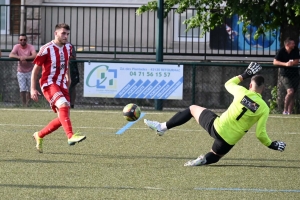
(131, 112)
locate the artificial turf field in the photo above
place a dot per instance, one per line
(138, 164)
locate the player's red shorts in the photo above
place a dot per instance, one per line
(53, 93)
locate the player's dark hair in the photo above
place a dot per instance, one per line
(258, 79)
(62, 25)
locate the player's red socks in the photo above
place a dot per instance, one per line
(52, 126)
(65, 121)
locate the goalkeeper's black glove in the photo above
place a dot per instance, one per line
(251, 70)
(277, 145)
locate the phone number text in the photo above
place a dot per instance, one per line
(150, 74)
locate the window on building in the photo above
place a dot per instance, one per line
(193, 35)
(15, 16)
(4, 13)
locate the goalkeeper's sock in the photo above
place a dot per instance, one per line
(211, 158)
(52, 126)
(179, 118)
(65, 121)
(163, 126)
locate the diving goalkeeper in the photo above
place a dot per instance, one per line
(247, 108)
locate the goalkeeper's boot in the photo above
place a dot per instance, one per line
(39, 142)
(154, 125)
(201, 160)
(76, 138)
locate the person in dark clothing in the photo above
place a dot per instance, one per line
(74, 77)
(287, 58)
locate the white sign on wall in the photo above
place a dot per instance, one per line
(128, 80)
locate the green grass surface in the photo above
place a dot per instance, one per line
(138, 164)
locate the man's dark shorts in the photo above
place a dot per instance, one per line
(206, 120)
(290, 82)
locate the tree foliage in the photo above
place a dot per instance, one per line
(267, 15)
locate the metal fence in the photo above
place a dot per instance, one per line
(203, 85)
(118, 31)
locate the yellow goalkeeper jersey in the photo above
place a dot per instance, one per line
(247, 108)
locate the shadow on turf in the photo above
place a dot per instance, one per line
(255, 165)
(36, 161)
(262, 159)
(185, 158)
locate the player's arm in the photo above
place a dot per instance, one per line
(68, 77)
(232, 84)
(261, 132)
(34, 78)
(262, 135)
(38, 61)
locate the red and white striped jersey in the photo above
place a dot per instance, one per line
(54, 61)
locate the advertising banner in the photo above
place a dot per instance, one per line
(128, 80)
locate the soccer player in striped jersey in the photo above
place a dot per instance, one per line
(53, 60)
(247, 108)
